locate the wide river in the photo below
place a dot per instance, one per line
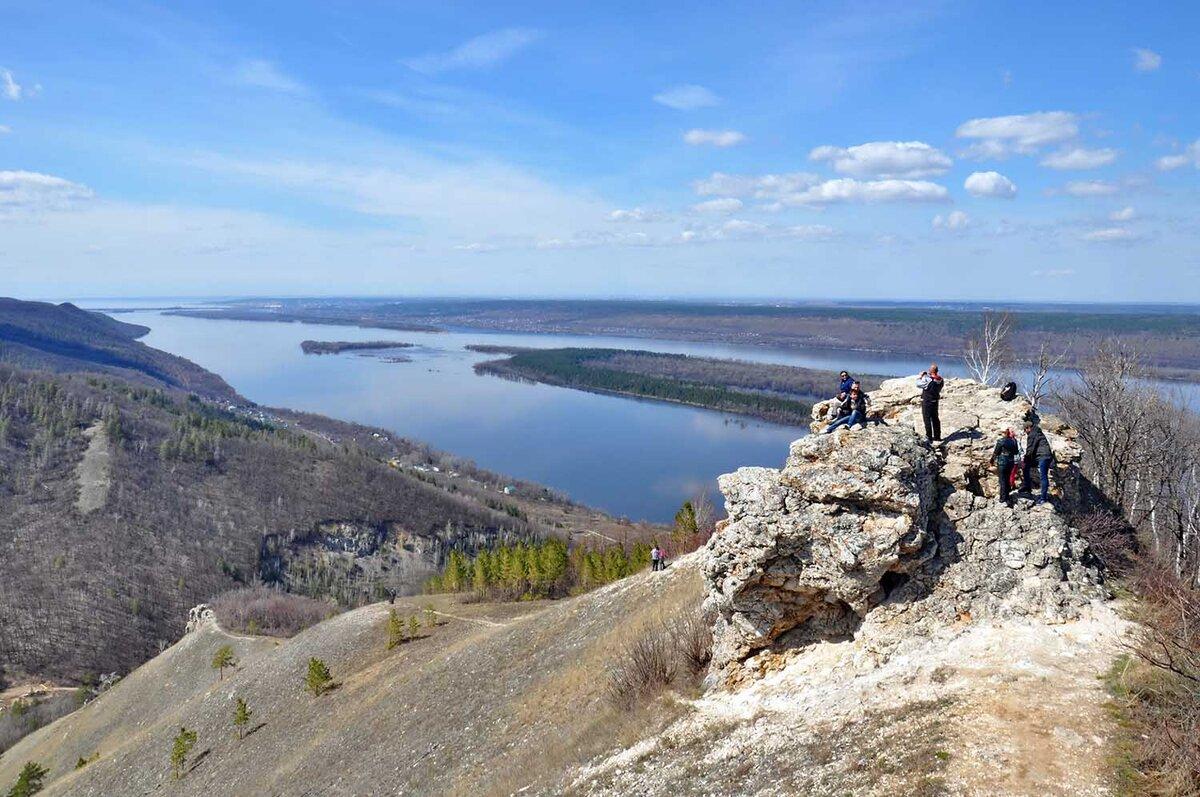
(632, 458)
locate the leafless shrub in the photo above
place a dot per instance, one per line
(988, 354)
(263, 610)
(665, 654)
(1111, 539)
(1041, 377)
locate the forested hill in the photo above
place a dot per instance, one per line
(64, 338)
(123, 506)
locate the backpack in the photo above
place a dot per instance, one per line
(1008, 392)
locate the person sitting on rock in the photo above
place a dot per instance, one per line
(1037, 451)
(1004, 454)
(931, 383)
(857, 401)
(845, 382)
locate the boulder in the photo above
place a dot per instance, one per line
(199, 616)
(876, 526)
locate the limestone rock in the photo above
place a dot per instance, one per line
(199, 616)
(876, 531)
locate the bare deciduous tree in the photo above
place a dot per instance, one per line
(1042, 374)
(988, 354)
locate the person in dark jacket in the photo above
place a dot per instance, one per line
(931, 383)
(1037, 453)
(858, 410)
(845, 382)
(1004, 454)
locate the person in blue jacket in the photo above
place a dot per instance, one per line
(845, 382)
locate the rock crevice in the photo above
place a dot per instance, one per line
(875, 531)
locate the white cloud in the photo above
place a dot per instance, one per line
(847, 189)
(722, 205)
(1146, 60)
(641, 215)
(1090, 188)
(1053, 272)
(765, 186)
(990, 184)
(5, 129)
(1110, 235)
(1000, 136)
(716, 138)
(1190, 155)
(261, 74)
(10, 89)
(687, 98)
(1124, 214)
(904, 159)
(954, 220)
(481, 52)
(1079, 158)
(33, 191)
(743, 230)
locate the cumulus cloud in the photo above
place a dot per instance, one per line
(32, 191)
(721, 205)
(990, 184)
(1191, 155)
(954, 220)
(899, 159)
(715, 138)
(1146, 60)
(481, 52)
(1110, 235)
(847, 189)
(687, 97)
(1000, 136)
(1090, 188)
(1124, 214)
(640, 215)
(1078, 158)
(261, 74)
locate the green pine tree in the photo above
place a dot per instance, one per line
(430, 617)
(223, 658)
(395, 629)
(241, 717)
(414, 626)
(318, 679)
(181, 748)
(29, 782)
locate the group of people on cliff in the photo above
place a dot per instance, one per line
(852, 403)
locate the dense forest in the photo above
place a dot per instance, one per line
(339, 346)
(777, 393)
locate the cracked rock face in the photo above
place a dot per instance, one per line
(873, 530)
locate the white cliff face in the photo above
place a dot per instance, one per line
(875, 533)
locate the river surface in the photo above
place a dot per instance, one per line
(633, 458)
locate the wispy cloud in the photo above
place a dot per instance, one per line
(1146, 60)
(1191, 155)
(261, 74)
(1090, 188)
(1079, 158)
(721, 205)
(1111, 235)
(953, 221)
(10, 89)
(481, 52)
(34, 191)
(687, 98)
(638, 215)
(713, 138)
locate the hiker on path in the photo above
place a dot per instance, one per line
(1037, 452)
(931, 383)
(858, 410)
(656, 558)
(1005, 454)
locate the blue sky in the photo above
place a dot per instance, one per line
(944, 150)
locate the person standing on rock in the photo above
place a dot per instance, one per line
(656, 558)
(1037, 451)
(931, 383)
(1004, 454)
(858, 410)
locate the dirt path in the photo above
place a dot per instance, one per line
(94, 472)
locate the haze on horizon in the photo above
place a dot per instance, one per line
(941, 151)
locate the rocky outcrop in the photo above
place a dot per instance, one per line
(875, 531)
(198, 617)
